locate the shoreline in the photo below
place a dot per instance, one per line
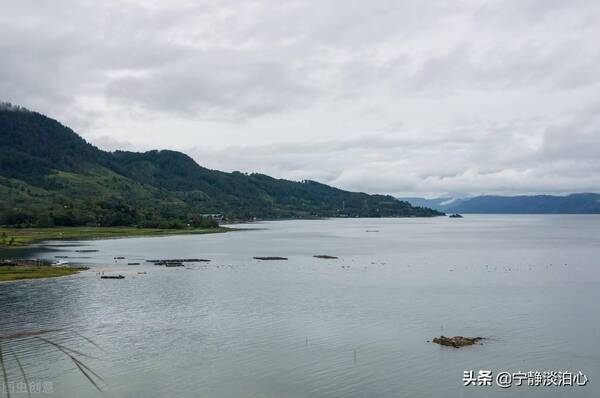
(23, 238)
(18, 273)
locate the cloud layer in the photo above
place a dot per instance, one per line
(387, 96)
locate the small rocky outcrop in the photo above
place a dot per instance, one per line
(325, 257)
(457, 341)
(270, 258)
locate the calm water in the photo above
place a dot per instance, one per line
(353, 327)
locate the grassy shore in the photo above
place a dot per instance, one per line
(18, 272)
(19, 237)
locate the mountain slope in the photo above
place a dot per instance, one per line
(31, 145)
(51, 176)
(579, 203)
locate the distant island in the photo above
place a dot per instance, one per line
(50, 176)
(578, 203)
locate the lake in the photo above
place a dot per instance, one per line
(357, 326)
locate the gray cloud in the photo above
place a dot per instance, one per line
(382, 96)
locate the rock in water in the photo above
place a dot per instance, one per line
(457, 341)
(270, 258)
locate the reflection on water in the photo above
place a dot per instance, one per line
(356, 326)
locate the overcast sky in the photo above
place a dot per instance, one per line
(402, 97)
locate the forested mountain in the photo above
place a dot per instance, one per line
(51, 176)
(579, 203)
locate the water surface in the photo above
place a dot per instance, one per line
(354, 327)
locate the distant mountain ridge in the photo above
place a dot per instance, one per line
(577, 203)
(435, 203)
(49, 175)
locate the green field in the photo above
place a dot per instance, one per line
(18, 272)
(18, 237)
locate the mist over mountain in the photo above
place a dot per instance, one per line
(578, 203)
(49, 175)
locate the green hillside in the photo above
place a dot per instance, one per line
(50, 176)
